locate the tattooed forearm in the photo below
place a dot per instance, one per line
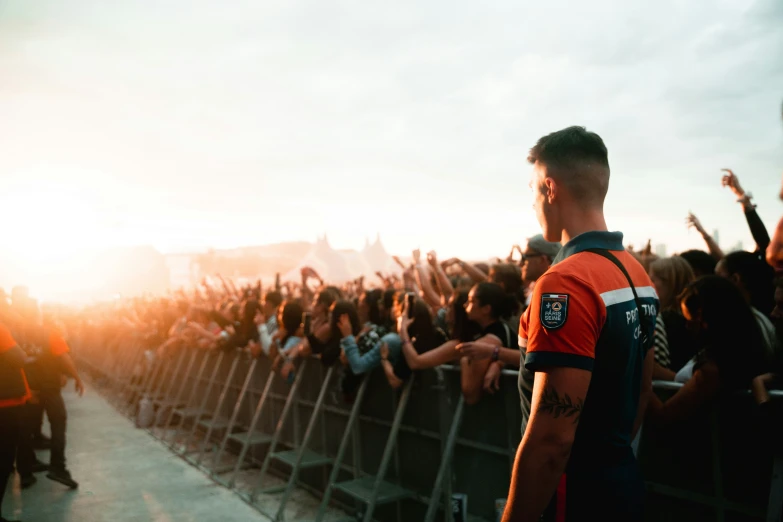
(552, 402)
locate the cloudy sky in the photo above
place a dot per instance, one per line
(187, 124)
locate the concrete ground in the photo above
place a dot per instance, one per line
(124, 475)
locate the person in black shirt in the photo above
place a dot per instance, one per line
(487, 304)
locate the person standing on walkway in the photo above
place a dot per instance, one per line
(53, 362)
(14, 393)
(587, 333)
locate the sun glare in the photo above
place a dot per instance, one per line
(53, 229)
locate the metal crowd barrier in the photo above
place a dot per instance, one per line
(401, 455)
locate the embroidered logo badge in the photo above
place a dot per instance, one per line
(554, 310)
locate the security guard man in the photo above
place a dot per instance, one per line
(586, 368)
(14, 393)
(53, 362)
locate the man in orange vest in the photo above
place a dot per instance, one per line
(53, 362)
(14, 393)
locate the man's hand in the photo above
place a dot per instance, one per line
(79, 387)
(416, 254)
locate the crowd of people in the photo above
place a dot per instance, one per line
(572, 298)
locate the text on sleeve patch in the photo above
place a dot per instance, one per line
(554, 310)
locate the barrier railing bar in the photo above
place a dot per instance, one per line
(188, 401)
(166, 388)
(390, 445)
(278, 430)
(178, 397)
(303, 445)
(251, 430)
(337, 464)
(204, 400)
(218, 408)
(445, 462)
(234, 414)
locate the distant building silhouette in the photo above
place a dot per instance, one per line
(716, 236)
(737, 247)
(660, 250)
(344, 265)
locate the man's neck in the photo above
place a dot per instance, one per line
(581, 222)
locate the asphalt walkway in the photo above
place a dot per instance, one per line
(124, 474)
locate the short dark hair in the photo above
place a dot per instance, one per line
(701, 262)
(578, 158)
(757, 278)
(274, 298)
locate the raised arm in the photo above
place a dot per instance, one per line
(757, 228)
(472, 272)
(428, 293)
(693, 222)
(442, 280)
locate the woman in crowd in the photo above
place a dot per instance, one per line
(731, 349)
(674, 345)
(288, 334)
(425, 336)
(754, 278)
(490, 340)
(325, 341)
(375, 325)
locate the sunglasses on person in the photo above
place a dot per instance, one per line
(526, 257)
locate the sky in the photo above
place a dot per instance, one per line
(192, 124)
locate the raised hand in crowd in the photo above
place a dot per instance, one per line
(731, 181)
(344, 324)
(404, 322)
(450, 262)
(693, 222)
(757, 228)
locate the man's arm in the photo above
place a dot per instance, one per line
(558, 398)
(70, 369)
(645, 392)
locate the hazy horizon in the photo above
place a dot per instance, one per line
(190, 125)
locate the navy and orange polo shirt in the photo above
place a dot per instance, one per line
(583, 315)
(14, 390)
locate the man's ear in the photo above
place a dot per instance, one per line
(552, 190)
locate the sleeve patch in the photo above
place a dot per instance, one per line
(554, 310)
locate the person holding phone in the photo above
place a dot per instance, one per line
(364, 362)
